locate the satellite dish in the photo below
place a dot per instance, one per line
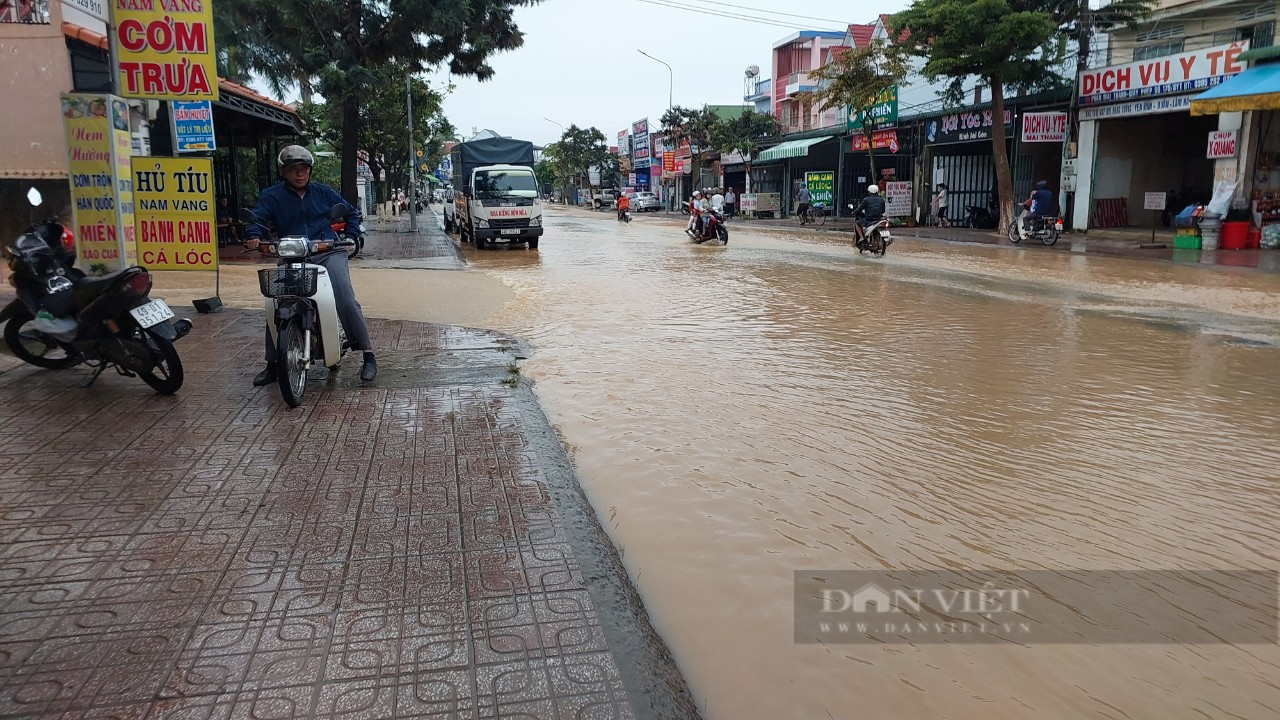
(753, 70)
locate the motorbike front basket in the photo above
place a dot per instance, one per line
(288, 281)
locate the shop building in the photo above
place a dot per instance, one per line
(1137, 131)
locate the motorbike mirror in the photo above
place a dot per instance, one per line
(34, 197)
(337, 212)
(247, 216)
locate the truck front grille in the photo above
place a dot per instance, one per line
(509, 223)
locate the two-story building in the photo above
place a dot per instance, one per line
(1138, 131)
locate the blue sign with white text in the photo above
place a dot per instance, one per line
(192, 124)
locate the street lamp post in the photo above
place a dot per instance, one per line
(413, 159)
(565, 197)
(671, 76)
(671, 79)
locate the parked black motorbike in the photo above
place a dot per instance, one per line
(61, 318)
(982, 218)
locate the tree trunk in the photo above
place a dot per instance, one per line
(1004, 177)
(350, 147)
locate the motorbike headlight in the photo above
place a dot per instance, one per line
(482, 223)
(292, 247)
(535, 221)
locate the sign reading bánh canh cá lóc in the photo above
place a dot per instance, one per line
(97, 134)
(164, 49)
(175, 213)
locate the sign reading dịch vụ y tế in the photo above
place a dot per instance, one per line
(98, 150)
(175, 213)
(164, 49)
(1172, 75)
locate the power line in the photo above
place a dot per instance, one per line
(703, 10)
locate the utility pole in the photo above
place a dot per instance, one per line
(413, 157)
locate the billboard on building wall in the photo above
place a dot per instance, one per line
(1044, 127)
(1186, 72)
(883, 114)
(641, 157)
(964, 126)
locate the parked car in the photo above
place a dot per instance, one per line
(450, 213)
(645, 201)
(604, 199)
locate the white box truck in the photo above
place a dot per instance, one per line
(497, 198)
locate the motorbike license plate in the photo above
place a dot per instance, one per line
(153, 313)
(511, 231)
(885, 234)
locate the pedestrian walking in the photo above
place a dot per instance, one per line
(940, 201)
(730, 201)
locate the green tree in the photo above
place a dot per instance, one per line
(858, 79)
(342, 44)
(383, 131)
(1005, 43)
(546, 173)
(743, 134)
(702, 128)
(580, 149)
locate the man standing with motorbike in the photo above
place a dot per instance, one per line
(868, 212)
(297, 206)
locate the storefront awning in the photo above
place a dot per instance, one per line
(789, 149)
(432, 179)
(1254, 89)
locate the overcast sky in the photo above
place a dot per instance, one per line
(579, 62)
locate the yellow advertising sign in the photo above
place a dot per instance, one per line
(94, 126)
(164, 49)
(175, 213)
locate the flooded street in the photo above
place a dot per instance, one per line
(741, 413)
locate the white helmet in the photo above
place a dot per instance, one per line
(697, 193)
(295, 155)
(873, 189)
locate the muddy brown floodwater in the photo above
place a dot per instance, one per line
(740, 413)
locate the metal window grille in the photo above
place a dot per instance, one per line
(1161, 32)
(1155, 51)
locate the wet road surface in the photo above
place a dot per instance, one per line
(740, 413)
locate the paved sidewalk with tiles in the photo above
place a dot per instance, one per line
(417, 547)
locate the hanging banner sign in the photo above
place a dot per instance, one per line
(1044, 127)
(640, 153)
(1172, 75)
(880, 139)
(822, 187)
(669, 162)
(98, 149)
(897, 199)
(1222, 144)
(164, 49)
(175, 213)
(192, 126)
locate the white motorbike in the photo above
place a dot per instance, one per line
(876, 239)
(302, 314)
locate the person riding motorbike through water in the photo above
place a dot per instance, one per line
(624, 204)
(868, 212)
(695, 212)
(1037, 206)
(297, 206)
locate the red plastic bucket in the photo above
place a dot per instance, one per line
(1234, 235)
(1254, 240)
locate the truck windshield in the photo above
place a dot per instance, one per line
(498, 184)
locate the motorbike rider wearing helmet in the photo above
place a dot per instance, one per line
(297, 206)
(624, 204)
(868, 212)
(1037, 206)
(695, 212)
